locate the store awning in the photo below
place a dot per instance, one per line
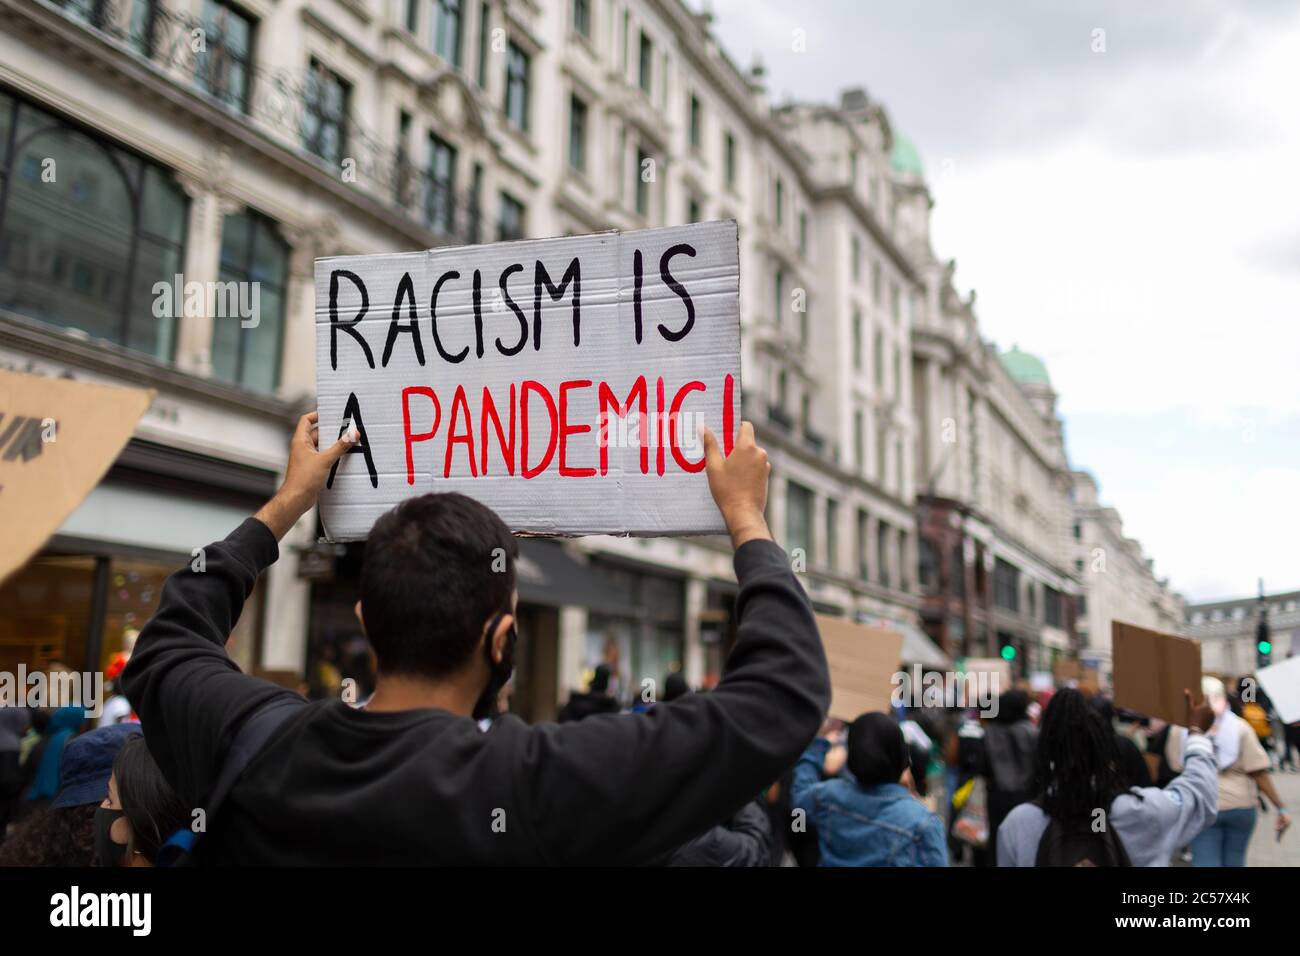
(919, 649)
(549, 576)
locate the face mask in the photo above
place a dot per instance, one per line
(108, 852)
(498, 673)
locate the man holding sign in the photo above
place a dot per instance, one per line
(410, 778)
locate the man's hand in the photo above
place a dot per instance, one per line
(1200, 717)
(739, 484)
(304, 476)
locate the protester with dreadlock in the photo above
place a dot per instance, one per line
(1086, 815)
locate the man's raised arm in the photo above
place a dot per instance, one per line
(191, 697)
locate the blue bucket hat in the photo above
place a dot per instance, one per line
(88, 763)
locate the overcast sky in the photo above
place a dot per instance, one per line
(1132, 216)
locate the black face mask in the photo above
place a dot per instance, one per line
(498, 674)
(108, 852)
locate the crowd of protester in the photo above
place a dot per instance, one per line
(751, 772)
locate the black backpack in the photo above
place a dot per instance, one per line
(1075, 846)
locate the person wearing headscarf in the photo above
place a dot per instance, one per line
(64, 724)
(1243, 774)
(878, 822)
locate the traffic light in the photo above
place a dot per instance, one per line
(1008, 652)
(1263, 644)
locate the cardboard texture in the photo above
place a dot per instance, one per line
(439, 328)
(1281, 682)
(1151, 669)
(1066, 669)
(57, 438)
(991, 665)
(863, 661)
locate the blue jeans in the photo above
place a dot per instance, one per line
(1224, 843)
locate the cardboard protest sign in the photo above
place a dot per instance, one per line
(1150, 671)
(1066, 669)
(57, 438)
(562, 382)
(1282, 684)
(863, 661)
(991, 665)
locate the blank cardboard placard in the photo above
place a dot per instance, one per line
(863, 661)
(1151, 669)
(57, 438)
(991, 665)
(1066, 669)
(1282, 684)
(562, 382)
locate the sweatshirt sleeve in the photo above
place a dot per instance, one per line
(191, 697)
(1171, 816)
(625, 788)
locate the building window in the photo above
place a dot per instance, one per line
(832, 533)
(1006, 585)
(582, 17)
(798, 518)
(696, 134)
(325, 122)
(857, 341)
(780, 202)
(516, 104)
(440, 202)
(643, 161)
(476, 206)
(877, 284)
(692, 209)
(904, 580)
(510, 218)
(856, 254)
(1052, 608)
(859, 441)
(484, 39)
(577, 134)
(404, 179)
(85, 249)
(864, 543)
(957, 584)
(412, 16)
(222, 69)
(646, 64)
(928, 566)
(803, 234)
(895, 307)
(1078, 531)
(882, 552)
(446, 30)
(729, 159)
(143, 33)
(878, 359)
(256, 259)
(778, 295)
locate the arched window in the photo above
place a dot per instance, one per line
(86, 230)
(254, 256)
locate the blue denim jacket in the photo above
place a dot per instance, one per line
(881, 825)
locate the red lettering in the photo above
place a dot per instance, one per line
(458, 404)
(507, 448)
(672, 427)
(728, 417)
(566, 430)
(659, 425)
(607, 399)
(538, 388)
(406, 424)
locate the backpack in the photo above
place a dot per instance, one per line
(1062, 846)
(1257, 717)
(178, 850)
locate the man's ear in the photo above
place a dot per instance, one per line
(356, 609)
(498, 637)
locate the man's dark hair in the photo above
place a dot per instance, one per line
(877, 752)
(437, 567)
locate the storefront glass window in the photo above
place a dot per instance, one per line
(46, 618)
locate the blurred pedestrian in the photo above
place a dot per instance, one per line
(595, 700)
(63, 833)
(1087, 815)
(48, 755)
(1009, 749)
(868, 817)
(14, 722)
(1243, 773)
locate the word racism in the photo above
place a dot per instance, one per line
(508, 371)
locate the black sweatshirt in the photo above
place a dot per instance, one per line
(336, 785)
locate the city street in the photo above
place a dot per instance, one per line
(1265, 850)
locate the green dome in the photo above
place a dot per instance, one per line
(1025, 368)
(905, 158)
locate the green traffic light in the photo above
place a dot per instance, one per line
(1008, 652)
(1265, 647)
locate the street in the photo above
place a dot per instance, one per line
(1265, 850)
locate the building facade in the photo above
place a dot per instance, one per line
(1228, 632)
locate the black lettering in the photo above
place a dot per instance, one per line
(514, 307)
(352, 414)
(348, 327)
(541, 276)
(433, 315)
(680, 249)
(638, 275)
(405, 289)
(478, 314)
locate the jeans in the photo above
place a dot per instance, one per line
(1224, 843)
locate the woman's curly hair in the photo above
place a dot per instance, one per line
(52, 838)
